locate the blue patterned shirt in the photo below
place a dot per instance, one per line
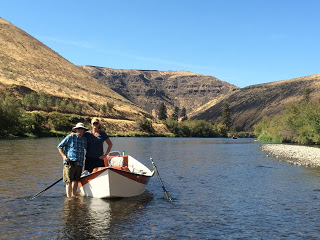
(74, 148)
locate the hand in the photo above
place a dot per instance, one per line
(66, 159)
(103, 156)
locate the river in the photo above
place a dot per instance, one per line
(221, 189)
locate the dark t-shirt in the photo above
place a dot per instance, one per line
(95, 144)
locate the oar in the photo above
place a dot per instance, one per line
(166, 195)
(36, 195)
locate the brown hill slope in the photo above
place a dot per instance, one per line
(149, 88)
(250, 104)
(26, 63)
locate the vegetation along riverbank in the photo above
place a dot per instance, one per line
(300, 123)
(22, 118)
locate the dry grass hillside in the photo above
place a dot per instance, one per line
(149, 88)
(250, 104)
(28, 65)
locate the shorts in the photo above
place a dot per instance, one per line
(71, 172)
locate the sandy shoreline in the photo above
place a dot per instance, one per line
(298, 155)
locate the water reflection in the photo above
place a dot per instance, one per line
(223, 189)
(91, 218)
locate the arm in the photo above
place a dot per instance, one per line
(63, 155)
(62, 146)
(108, 141)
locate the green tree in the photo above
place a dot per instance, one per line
(10, 116)
(175, 115)
(34, 123)
(173, 127)
(226, 115)
(30, 101)
(61, 105)
(45, 101)
(70, 107)
(145, 125)
(299, 124)
(59, 121)
(202, 129)
(184, 114)
(193, 128)
(162, 113)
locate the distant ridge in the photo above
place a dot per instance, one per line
(250, 104)
(27, 62)
(149, 88)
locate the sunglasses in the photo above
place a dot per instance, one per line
(95, 123)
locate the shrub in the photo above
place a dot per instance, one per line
(299, 124)
(145, 125)
(45, 101)
(34, 123)
(59, 122)
(191, 128)
(30, 101)
(110, 105)
(103, 108)
(10, 116)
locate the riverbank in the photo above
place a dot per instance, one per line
(294, 154)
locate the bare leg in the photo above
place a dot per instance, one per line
(74, 188)
(69, 189)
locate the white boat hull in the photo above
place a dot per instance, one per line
(112, 181)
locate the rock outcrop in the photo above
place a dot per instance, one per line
(149, 88)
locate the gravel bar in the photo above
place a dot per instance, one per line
(297, 155)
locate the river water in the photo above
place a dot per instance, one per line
(222, 189)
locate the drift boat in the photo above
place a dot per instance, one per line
(123, 176)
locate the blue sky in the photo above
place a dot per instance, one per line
(242, 42)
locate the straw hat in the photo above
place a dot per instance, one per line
(79, 125)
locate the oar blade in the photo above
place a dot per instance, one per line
(39, 193)
(167, 196)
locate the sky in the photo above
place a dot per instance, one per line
(242, 42)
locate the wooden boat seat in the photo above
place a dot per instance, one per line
(121, 168)
(115, 167)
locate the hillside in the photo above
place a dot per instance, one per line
(149, 88)
(250, 104)
(27, 65)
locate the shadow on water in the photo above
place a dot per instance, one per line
(93, 218)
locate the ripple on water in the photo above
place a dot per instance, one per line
(222, 189)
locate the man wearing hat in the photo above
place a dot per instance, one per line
(72, 151)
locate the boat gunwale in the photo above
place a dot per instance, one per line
(112, 168)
